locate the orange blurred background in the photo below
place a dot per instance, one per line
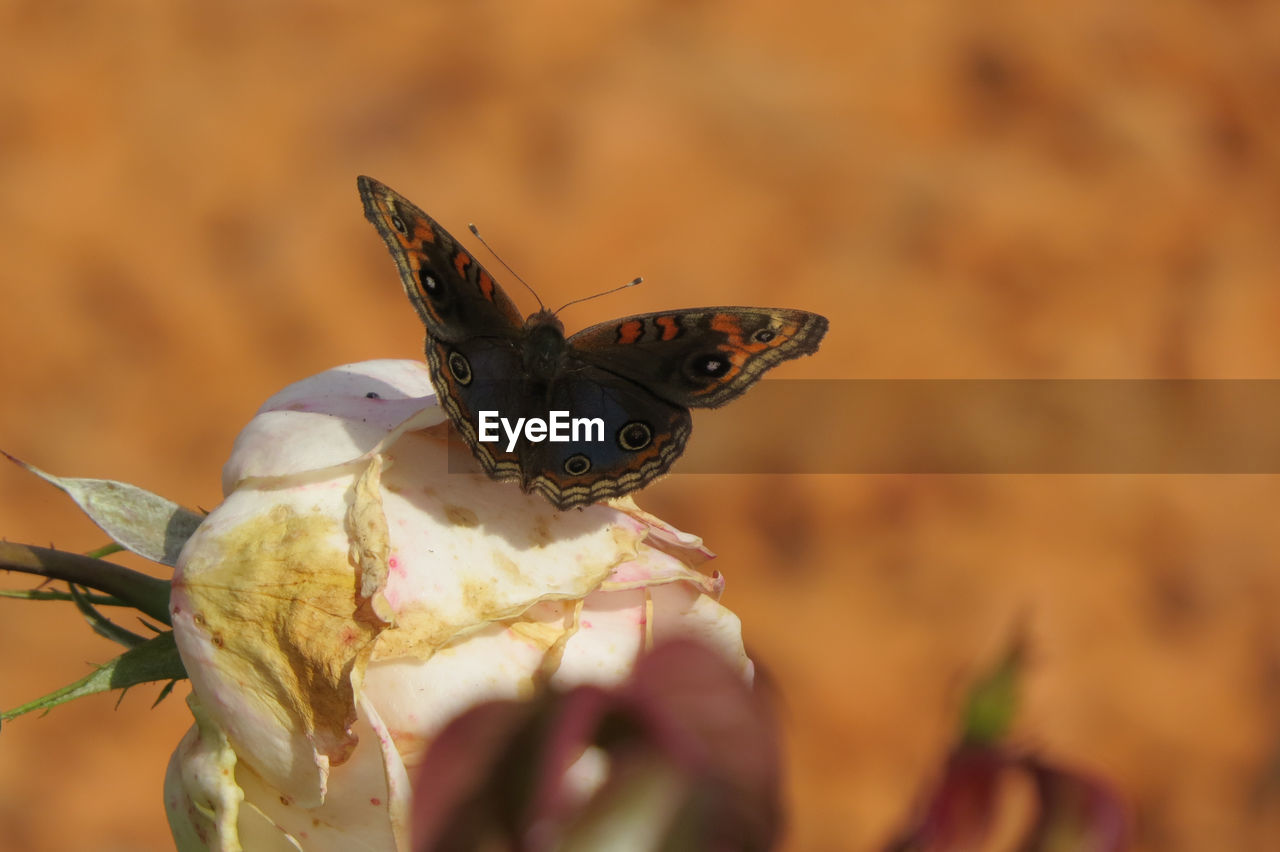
(1075, 190)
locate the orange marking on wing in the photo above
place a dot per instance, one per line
(461, 261)
(420, 231)
(486, 285)
(728, 325)
(670, 329)
(629, 332)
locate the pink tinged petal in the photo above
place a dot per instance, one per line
(329, 420)
(612, 632)
(652, 567)
(681, 612)
(399, 796)
(279, 443)
(663, 536)
(391, 379)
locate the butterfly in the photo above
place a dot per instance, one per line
(629, 383)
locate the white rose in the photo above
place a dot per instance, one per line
(351, 595)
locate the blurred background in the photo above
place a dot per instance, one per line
(1073, 190)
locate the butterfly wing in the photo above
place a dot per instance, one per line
(620, 438)
(699, 358)
(453, 294)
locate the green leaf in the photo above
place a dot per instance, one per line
(151, 526)
(154, 660)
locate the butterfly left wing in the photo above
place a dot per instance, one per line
(699, 358)
(476, 376)
(453, 294)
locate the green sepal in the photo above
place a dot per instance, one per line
(102, 625)
(55, 595)
(993, 700)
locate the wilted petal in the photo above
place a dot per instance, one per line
(264, 611)
(467, 551)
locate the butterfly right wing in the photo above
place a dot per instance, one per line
(621, 437)
(453, 294)
(699, 358)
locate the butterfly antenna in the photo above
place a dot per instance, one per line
(476, 233)
(633, 282)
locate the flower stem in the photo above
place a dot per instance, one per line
(148, 594)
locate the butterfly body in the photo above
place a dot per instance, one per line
(629, 382)
(545, 349)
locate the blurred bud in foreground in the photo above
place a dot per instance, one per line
(992, 796)
(683, 756)
(350, 596)
(996, 798)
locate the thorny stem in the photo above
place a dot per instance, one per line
(147, 594)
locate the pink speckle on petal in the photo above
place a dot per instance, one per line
(375, 801)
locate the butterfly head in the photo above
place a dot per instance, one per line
(544, 346)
